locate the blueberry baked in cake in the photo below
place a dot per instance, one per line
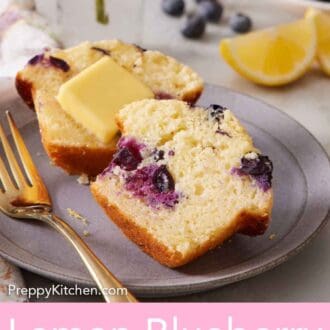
(184, 179)
(71, 143)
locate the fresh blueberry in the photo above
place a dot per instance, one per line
(163, 180)
(260, 167)
(59, 63)
(194, 27)
(36, 59)
(153, 184)
(210, 10)
(256, 166)
(159, 155)
(240, 23)
(173, 7)
(51, 60)
(102, 50)
(163, 96)
(127, 159)
(216, 111)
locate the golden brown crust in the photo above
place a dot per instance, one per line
(253, 224)
(159, 251)
(24, 89)
(137, 234)
(256, 223)
(78, 160)
(74, 160)
(193, 96)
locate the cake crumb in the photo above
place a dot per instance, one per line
(86, 233)
(74, 214)
(272, 236)
(83, 179)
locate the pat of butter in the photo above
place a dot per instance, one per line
(94, 96)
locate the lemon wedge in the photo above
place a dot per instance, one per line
(322, 22)
(274, 56)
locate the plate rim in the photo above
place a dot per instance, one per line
(178, 289)
(146, 290)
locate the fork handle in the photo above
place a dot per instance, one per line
(104, 279)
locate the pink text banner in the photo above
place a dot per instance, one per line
(198, 316)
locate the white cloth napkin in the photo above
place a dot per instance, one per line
(23, 34)
(10, 275)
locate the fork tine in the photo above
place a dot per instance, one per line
(4, 176)
(17, 173)
(28, 164)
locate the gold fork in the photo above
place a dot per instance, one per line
(23, 198)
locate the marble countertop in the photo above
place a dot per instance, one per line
(303, 278)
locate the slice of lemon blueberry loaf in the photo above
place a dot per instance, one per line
(69, 144)
(184, 179)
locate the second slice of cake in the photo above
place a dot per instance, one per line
(184, 179)
(69, 142)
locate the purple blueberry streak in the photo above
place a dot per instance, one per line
(260, 168)
(153, 184)
(128, 156)
(163, 96)
(49, 61)
(36, 59)
(59, 63)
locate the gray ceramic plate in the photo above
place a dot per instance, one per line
(302, 195)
